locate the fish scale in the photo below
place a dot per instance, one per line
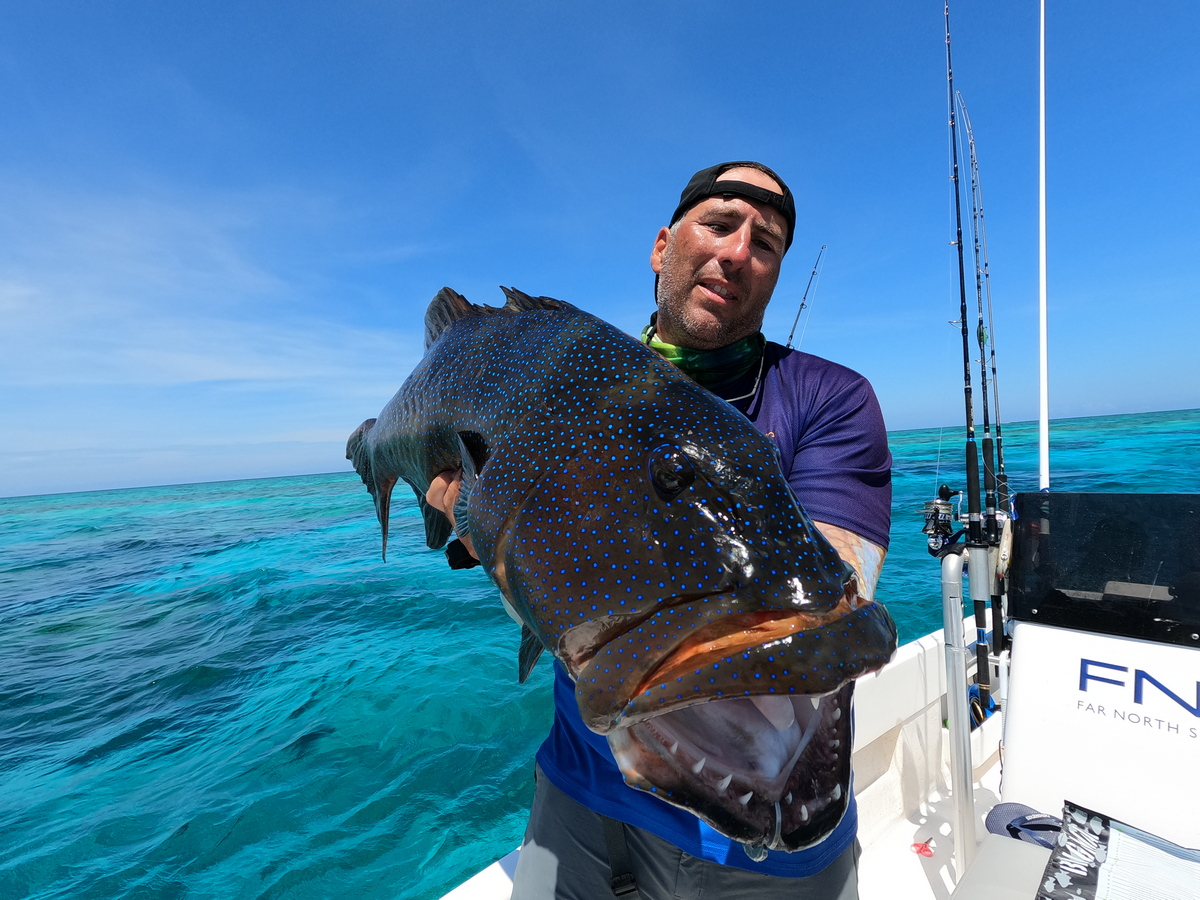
(637, 525)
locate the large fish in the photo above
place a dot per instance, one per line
(640, 529)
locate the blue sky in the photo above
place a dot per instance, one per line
(220, 223)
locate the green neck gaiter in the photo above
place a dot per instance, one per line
(709, 368)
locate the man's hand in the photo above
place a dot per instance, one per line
(443, 494)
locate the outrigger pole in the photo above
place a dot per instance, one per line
(1043, 342)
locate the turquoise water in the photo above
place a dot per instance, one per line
(219, 691)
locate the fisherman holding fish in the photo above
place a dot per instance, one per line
(589, 834)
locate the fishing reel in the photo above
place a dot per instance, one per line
(940, 517)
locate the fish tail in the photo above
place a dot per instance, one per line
(359, 454)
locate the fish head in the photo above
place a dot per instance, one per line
(712, 632)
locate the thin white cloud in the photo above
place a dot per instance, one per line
(159, 338)
(142, 290)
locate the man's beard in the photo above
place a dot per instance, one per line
(692, 327)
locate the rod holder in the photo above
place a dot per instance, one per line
(958, 715)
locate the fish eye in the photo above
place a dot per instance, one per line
(670, 471)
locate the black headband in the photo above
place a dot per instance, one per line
(704, 184)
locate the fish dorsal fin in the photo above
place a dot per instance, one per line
(447, 308)
(519, 301)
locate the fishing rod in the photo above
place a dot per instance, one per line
(981, 263)
(986, 339)
(981, 337)
(976, 547)
(804, 300)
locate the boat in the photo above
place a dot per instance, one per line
(1093, 663)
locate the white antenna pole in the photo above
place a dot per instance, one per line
(1043, 343)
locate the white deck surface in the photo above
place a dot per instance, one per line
(889, 867)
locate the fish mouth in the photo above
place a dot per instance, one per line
(660, 665)
(771, 771)
(745, 722)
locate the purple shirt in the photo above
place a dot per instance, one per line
(833, 450)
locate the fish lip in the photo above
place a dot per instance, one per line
(766, 626)
(577, 661)
(798, 808)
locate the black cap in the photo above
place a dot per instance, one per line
(704, 184)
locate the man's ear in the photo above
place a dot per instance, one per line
(660, 247)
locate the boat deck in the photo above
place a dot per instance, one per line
(902, 778)
(890, 867)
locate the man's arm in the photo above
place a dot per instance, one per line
(864, 556)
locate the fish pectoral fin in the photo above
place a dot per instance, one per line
(531, 649)
(459, 556)
(473, 453)
(437, 527)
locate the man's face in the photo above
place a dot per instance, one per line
(717, 270)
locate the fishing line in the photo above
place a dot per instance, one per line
(809, 319)
(1001, 476)
(937, 468)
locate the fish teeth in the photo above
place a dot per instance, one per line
(788, 799)
(803, 813)
(835, 743)
(674, 748)
(745, 798)
(699, 765)
(724, 783)
(815, 701)
(837, 713)
(837, 792)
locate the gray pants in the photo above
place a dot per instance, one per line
(564, 857)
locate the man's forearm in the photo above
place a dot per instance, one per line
(865, 557)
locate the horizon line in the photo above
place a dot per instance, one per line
(181, 484)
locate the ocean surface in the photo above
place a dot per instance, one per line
(221, 691)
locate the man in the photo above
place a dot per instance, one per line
(716, 265)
